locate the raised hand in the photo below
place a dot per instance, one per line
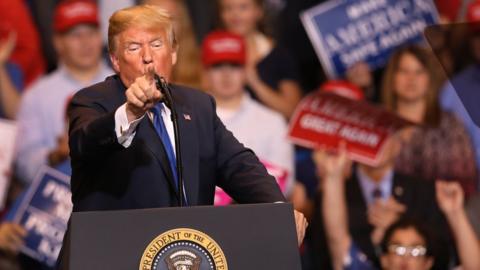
(332, 166)
(7, 46)
(450, 196)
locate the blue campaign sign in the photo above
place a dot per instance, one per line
(344, 32)
(44, 212)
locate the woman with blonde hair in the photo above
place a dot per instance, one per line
(439, 147)
(272, 75)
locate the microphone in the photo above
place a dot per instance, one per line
(163, 86)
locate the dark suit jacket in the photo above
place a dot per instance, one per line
(107, 176)
(417, 195)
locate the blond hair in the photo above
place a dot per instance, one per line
(142, 16)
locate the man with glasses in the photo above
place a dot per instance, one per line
(407, 245)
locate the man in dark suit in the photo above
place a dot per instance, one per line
(374, 199)
(121, 137)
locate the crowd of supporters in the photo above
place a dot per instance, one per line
(419, 208)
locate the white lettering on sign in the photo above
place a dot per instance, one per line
(49, 249)
(358, 9)
(41, 226)
(362, 31)
(319, 124)
(58, 193)
(61, 195)
(354, 134)
(359, 53)
(339, 111)
(397, 37)
(331, 127)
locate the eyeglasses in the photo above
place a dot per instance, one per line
(413, 251)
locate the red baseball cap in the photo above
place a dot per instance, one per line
(71, 13)
(344, 89)
(222, 46)
(473, 12)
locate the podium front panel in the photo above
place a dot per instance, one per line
(237, 237)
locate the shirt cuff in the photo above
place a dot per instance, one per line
(125, 130)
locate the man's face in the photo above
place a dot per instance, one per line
(137, 50)
(226, 80)
(80, 47)
(404, 249)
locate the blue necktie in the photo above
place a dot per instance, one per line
(163, 134)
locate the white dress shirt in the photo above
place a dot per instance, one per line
(126, 131)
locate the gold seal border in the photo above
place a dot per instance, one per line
(177, 235)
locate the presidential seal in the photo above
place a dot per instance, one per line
(183, 249)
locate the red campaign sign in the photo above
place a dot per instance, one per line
(280, 174)
(323, 120)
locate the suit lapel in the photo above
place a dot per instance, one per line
(188, 139)
(146, 132)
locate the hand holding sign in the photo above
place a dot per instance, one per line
(11, 237)
(332, 167)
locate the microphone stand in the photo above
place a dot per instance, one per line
(163, 86)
